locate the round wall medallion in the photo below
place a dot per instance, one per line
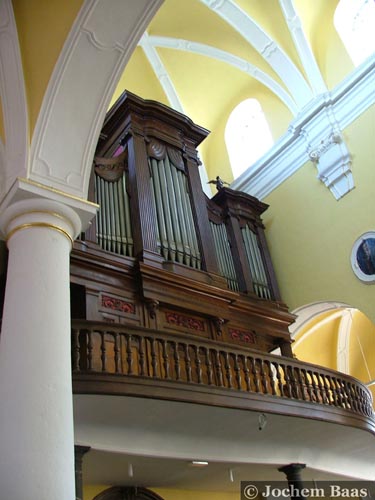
(363, 257)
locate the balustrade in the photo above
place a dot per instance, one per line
(131, 352)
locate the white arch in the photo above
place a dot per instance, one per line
(305, 53)
(339, 310)
(79, 92)
(221, 55)
(14, 153)
(266, 46)
(161, 72)
(307, 312)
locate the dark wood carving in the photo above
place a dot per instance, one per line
(111, 169)
(146, 288)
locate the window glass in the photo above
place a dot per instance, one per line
(354, 21)
(247, 135)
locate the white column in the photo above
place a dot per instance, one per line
(36, 418)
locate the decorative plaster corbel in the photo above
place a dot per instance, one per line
(332, 159)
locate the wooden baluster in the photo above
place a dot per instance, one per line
(315, 389)
(142, 364)
(263, 376)
(300, 384)
(177, 364)
(294, 383)
(328, 392)
(280, 385)
(237, 370)
(154, 360)
(75, 350)
(228, 370)
(198, 364)
(117, 353)
(255, 374)
(129, 354)
(331, 389)
(89, 350)
(103, 354)
(336, 390)
(209, 367)
(219, 373)
(345, 394)
(322, 389)
(187, 363)
(246, 372)
(288, 384)
(165, 359)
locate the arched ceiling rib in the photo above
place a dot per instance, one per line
(221, 55)
(161, 72)
(303, 48)
(265, 45)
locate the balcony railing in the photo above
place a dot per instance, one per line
(109, 359)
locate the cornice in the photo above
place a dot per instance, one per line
(327, 114)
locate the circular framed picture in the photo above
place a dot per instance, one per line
(363, 257)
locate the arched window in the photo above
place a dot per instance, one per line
(354, 21)
(247, 135)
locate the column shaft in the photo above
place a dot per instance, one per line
(36, 417)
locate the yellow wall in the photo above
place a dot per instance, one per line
(147, 87)
(362, 349)
(43, 26)
(89, 492)
(311, 235)
(317, 341)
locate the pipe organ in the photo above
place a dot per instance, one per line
(160, 254)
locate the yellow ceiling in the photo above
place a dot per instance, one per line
(208, 89)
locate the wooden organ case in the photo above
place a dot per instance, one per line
(162, 256)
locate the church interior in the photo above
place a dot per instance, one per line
(187, 254)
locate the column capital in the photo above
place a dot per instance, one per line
(292, 471)
(29, 204)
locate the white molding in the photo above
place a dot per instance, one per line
(266, 46)
(343, 339)
(228, 58)
(327, 113)
(13, 97)
(307, 312)
(303, 48)
(161, 72)
(81, 87)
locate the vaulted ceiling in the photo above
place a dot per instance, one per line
(203, 57)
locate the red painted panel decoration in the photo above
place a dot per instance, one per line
(243, 336)
(184, 321)
(117, 304)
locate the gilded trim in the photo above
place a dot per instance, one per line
(39, 224)
(57, 191)
(48, 212)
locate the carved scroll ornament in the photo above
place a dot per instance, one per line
(111, 169)
(158, 150)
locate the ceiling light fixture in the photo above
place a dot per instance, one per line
(199, 463)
